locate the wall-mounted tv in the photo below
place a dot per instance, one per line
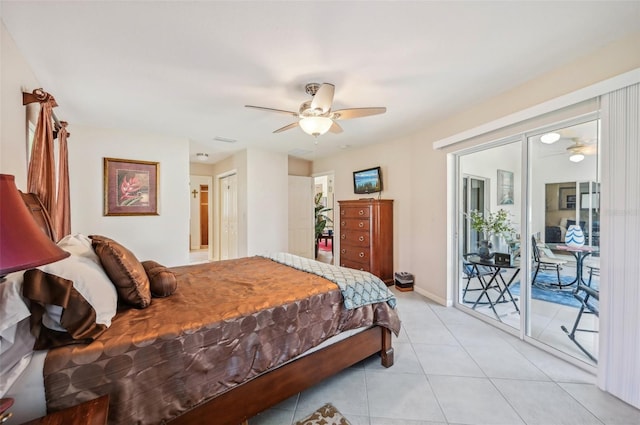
(367, 181)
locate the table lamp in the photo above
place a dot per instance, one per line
(23, 244)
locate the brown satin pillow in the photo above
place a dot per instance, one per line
(124, 270)
(163, 281)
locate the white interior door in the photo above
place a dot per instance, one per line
(301, 220)
(228, 217)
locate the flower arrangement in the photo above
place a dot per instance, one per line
(492, 223)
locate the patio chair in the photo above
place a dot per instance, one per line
(586, 294)
(546, 262)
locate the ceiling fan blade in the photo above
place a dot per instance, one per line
(335, 128)
(347, 114)
(280, 111)
(287, 127)
(323, 99)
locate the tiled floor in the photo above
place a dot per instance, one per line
(451, 368)
(198, 256)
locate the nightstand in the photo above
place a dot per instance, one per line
(92, 412)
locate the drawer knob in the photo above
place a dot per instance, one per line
(361, 224)
(361, 212)
(343, 223)
(361, 238)
(343, 236)
(362, 255)
(343, 251)
(342, 212)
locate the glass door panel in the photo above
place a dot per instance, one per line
(490, 182)
(565, 192)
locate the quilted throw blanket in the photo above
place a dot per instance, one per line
(358, 287)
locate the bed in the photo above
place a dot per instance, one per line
(234, 338)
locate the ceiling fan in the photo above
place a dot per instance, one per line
(315, 116)
(577, 149)
(580, 148)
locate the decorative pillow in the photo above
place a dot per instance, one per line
(162, 280)
(124, 270)
(91, 282)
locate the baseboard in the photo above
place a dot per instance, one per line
(432, 297)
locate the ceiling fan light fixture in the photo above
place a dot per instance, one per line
(202, 156)
(549, 138)
(576, 157)
(315, 126)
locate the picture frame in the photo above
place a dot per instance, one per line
(130, 187)
(567, 198)
(504, 188)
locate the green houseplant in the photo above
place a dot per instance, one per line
(492, 225)
(321, 218)
(320, 214)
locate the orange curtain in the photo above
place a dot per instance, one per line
(62, 216)
(41, 178)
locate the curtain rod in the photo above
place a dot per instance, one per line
(39, 95)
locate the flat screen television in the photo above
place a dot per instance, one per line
(367, 181)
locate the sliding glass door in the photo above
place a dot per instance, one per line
(565, 211)
(531, 279)
(490, 189)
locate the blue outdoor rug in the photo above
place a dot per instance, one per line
(543, 289)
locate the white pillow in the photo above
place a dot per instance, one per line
(90, 280)
(16, 341)
(15, 357)
(13, 308)
(79, 244)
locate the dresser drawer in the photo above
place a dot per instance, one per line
(355, 237)
(355, 265)
(354, 212)
(354, 224)
(355, 253)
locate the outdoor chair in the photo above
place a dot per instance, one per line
(588, 297)
(546, 262)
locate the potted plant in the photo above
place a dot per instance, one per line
(321, 218)
(492, 225)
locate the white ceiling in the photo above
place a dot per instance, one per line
(187, 69)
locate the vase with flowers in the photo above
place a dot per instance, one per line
(494, 227)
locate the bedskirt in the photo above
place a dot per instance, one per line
(228, 322)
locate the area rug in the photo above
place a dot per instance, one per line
(544, 290)
(323, 247)
(326, 415)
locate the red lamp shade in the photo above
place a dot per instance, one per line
(23, 245)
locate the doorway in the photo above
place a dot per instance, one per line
(200, 217)
(324, 193)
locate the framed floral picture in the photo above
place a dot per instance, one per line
(130, 187)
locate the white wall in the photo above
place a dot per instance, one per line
(165, 237)
(267, 202)
(16, 76)
(415, 175)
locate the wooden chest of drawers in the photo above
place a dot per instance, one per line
(366, 236)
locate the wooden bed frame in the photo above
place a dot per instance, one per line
(246, 400)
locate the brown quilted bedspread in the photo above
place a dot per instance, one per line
(228, 322)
